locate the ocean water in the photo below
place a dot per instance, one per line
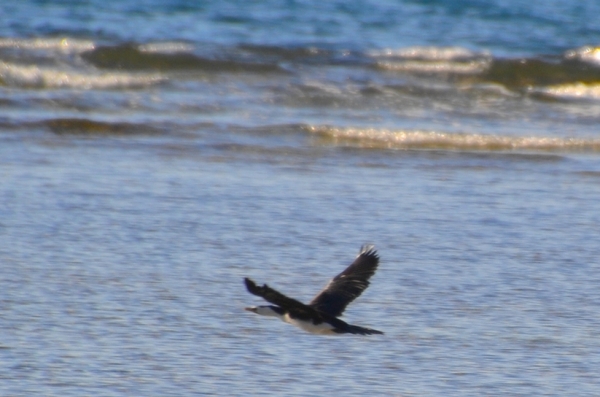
(153, 154)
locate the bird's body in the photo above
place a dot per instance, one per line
(320, 316)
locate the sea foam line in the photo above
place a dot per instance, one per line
(56, 44)
(419, 139)
(574, 90)
(432, 60)
(41, 77)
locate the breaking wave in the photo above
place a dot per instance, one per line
(417, 139)
(62, 45)
(454, 60)
(571, 91)
(585, 54)
(34, 76)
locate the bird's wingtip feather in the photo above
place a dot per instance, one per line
(367, 249)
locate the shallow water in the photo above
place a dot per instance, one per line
(154, 155)
(130, 281)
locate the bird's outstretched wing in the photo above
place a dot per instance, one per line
(279, 299)
(348, 285)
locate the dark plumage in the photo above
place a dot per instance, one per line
(320, 315)
(348, 285)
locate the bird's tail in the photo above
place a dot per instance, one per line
(355, 329)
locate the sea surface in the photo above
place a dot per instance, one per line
(155, 153)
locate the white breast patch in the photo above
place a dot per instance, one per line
(308, 326)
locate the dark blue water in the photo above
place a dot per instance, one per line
(503, 27)
(153, 154)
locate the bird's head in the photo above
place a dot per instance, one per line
(252, 309)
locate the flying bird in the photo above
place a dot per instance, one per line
(320, 316)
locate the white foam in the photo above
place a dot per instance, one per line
(432, 60)
(585, 54)
(166, 48)
(575, 90)
(41, 77)
(55, 44)
(418, 139)
(470, 67)
(430, 53)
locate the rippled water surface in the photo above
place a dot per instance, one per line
(154, 155)
(123, 267)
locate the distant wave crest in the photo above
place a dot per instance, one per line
(585, 54)
(432, 60)
(418, 139)
(572, 91)
(33, 76)
(63, 45)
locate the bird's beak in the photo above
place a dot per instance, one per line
(250, 309)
